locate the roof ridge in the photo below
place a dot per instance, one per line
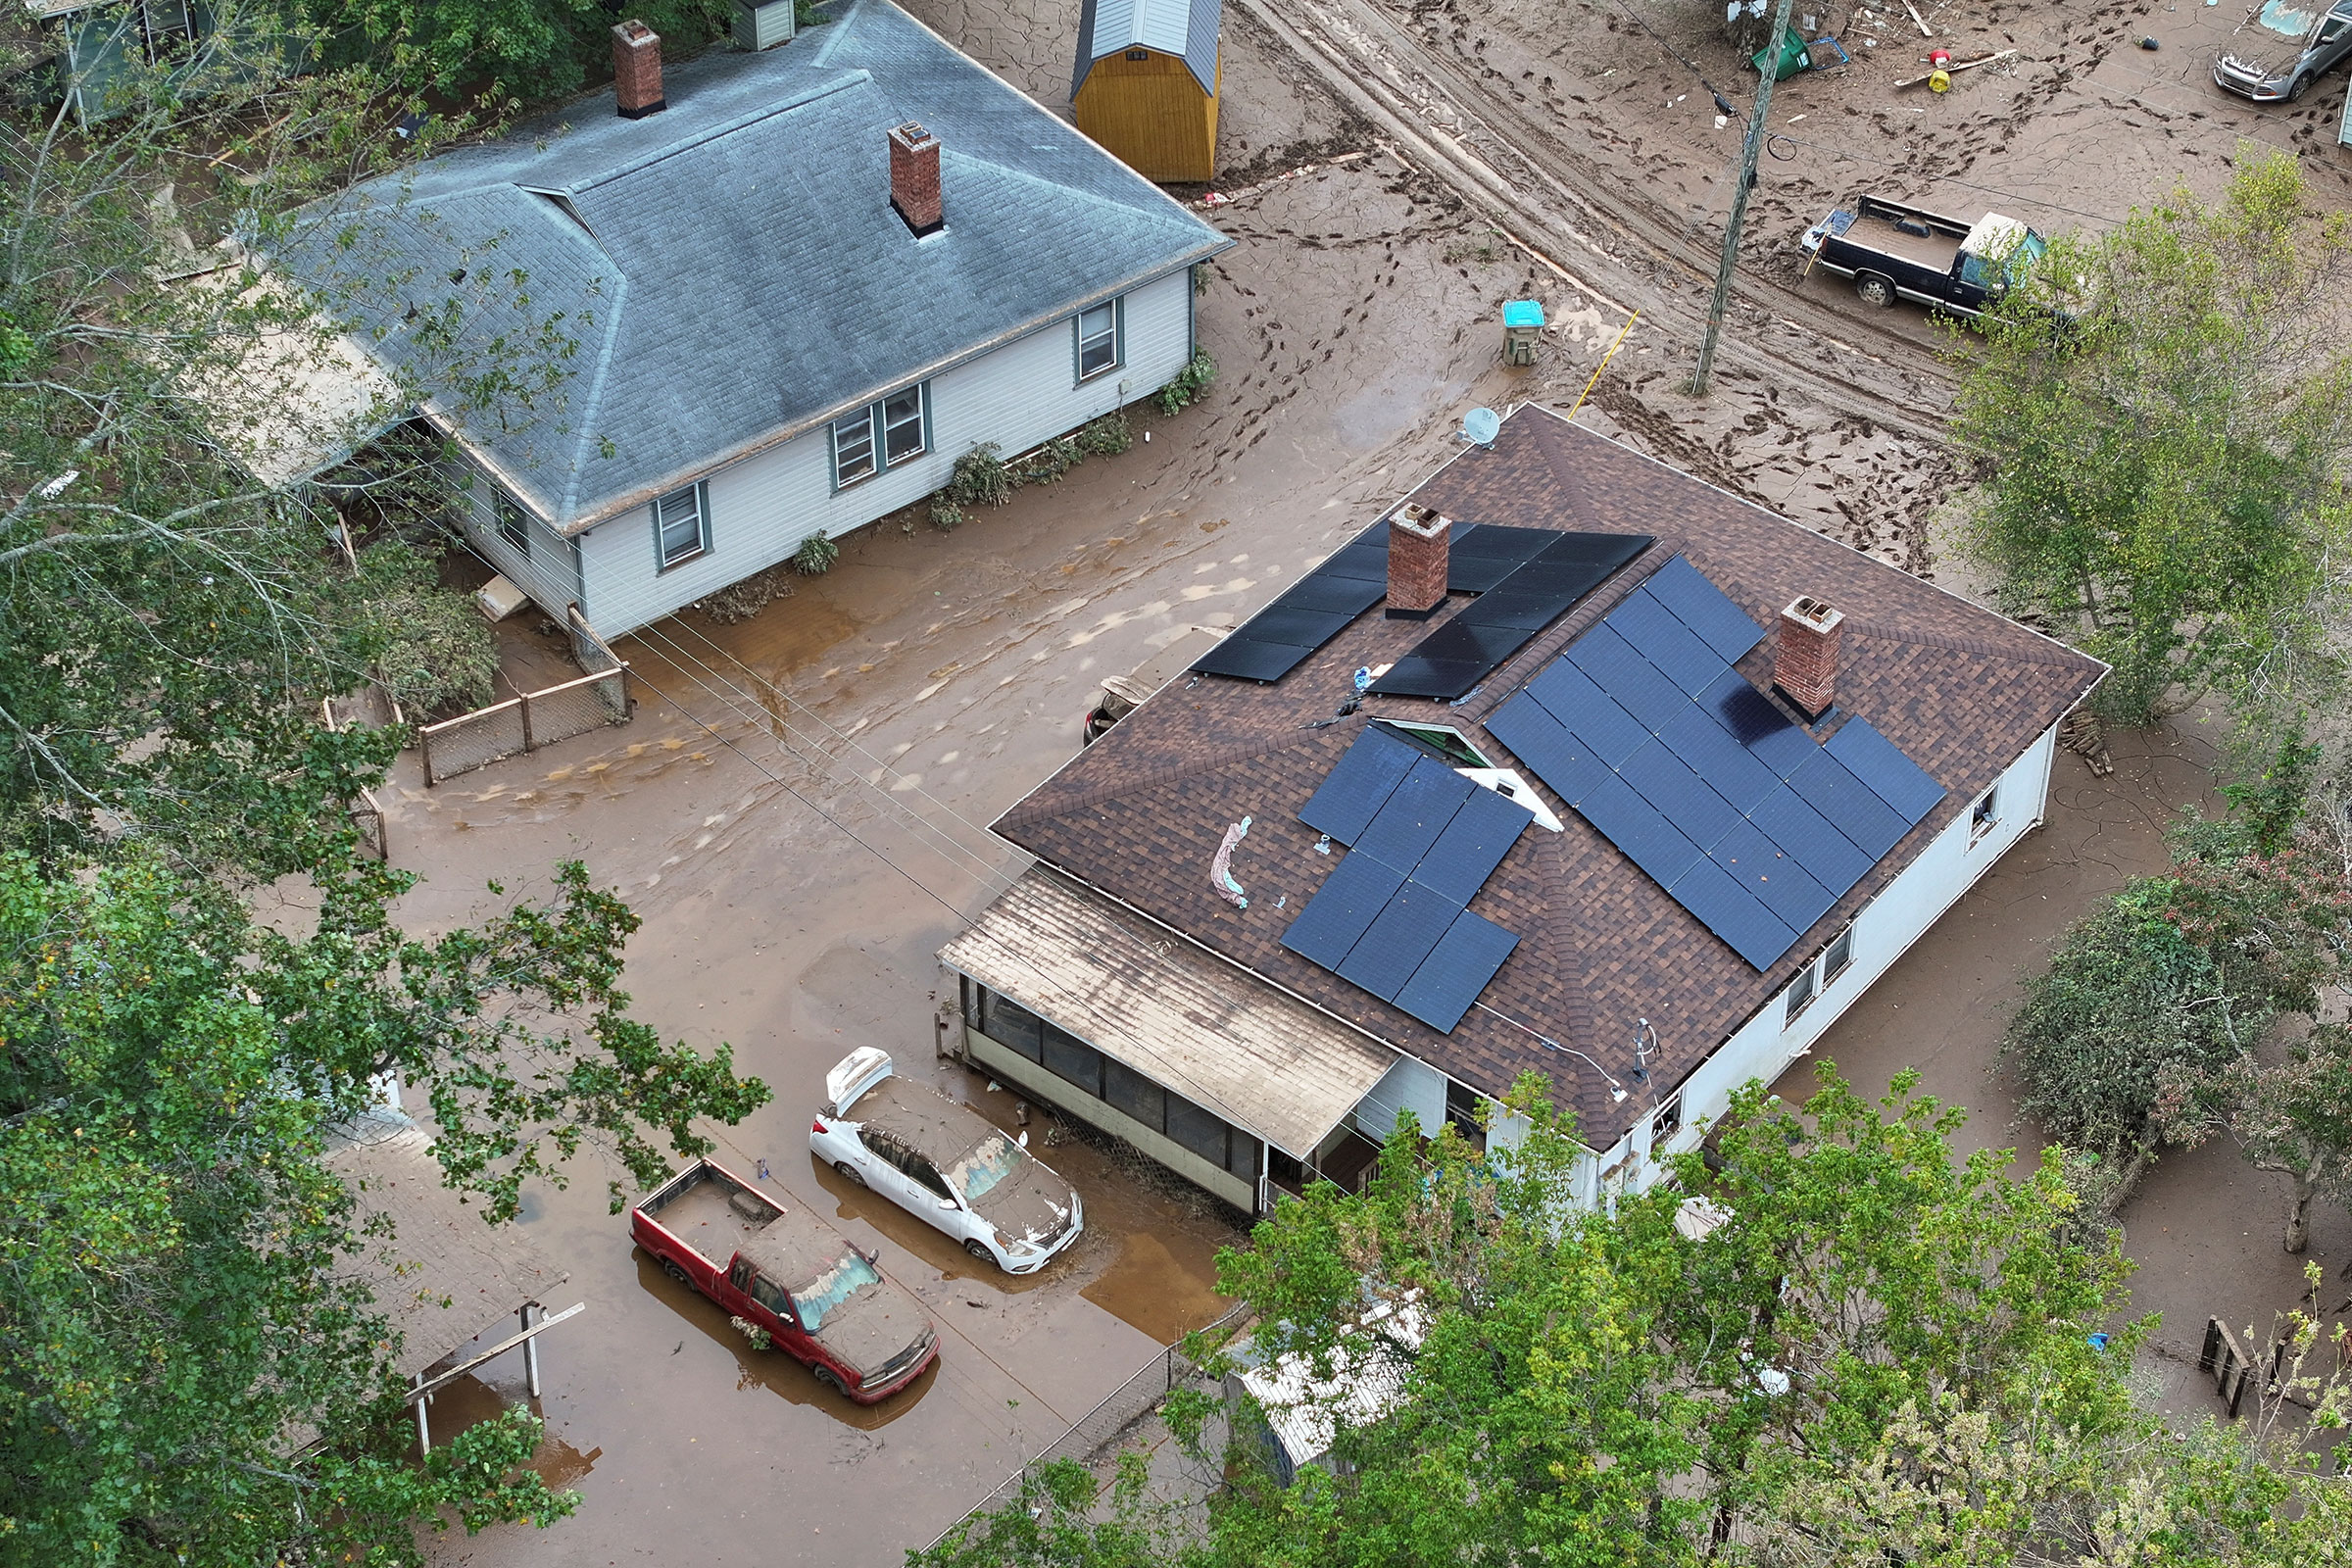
(799, 98)
(1133, 783)
(2060, 655)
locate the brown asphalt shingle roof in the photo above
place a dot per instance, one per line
(1139, 813)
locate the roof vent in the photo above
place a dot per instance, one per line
(914, 177)
(1804, 661)
(637, 71)
(1420, 541)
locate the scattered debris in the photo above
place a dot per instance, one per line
(2082, 734)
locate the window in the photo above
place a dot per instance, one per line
(1068, 1057)
(1667, 1122)
(1139, 54)
(1986, 814)
(927, 1175)
(514, 524)
(1098, 339)
(680, 526)
(1840, 953)
(903, 425)
(1128, 1091)
(1196, 1130)
(1803, 989)
(853, 448)
(1011, 1025)
(1242, 1155)
(768, 1293)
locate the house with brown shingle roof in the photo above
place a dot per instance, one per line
(1570, 765)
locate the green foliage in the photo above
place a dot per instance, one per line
(176, 1297)
(2271, 804)
(1108, 435)
(946, 515)
(816, 554)
(528, 50)
(1188, 385)
(2165, 470)
(1049, 462)
(1061, 1517)
(981, 479)
(437, 653)
(2179, 974)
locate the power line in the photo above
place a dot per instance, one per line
(1941, 179)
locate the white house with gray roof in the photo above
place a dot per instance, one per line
(788, 288)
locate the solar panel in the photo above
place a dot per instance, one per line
(1365, 557)
(1341, 911)
(1245, 659)
(1851, 808)
(1666, 768)
(1728, 909)
(1304, 630)
(1673, 648)
(1456, 970)
(1407, 930)
(1679, 794)
(1347, 596)
(1514, 607)
(1415, 813)
(1772, 877)
(1467, 639)
(1705, 608)
(1828, 855)
(1544, 587)
(1358, 784)
(1473, 845)
(1891, 776)
(1414, 675)
(1482, 556)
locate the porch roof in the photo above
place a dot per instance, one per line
(1172, 1010)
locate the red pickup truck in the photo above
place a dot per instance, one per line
(819, 1298)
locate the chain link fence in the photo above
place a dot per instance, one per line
(1095, 1430)
(533, 719)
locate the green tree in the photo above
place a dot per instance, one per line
(502, 53)
(2165, 467)
(176, 1302)
(2293, 1116)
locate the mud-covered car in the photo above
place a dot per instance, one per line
(944, 1163)
(821, 1301)
(2282, 48)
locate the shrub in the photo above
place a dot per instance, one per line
(816, 555)
(1055, 458)
(980, 478)
(1109, 435)
(741, 601)
(1188, 384)
(437, 652)
(946, 515)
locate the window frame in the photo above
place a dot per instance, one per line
(1454, 749)
(873, 448)
(1666, 1122)
(514, 524)
(664, 562)
(1837, 957)
(1804, 989)
(1116, 335)
(1986, 815)
(922, 425)
(875, 417)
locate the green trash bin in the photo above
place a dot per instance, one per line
(1795, 56)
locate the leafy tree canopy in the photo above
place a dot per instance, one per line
(2166, 466)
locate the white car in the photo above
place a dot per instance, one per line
(945, 1164)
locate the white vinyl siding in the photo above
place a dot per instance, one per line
(1018, 395)
(543, 566)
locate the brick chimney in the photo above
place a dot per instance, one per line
(1420, 539)
(914, 177)
(1804, 663)
(637, 71)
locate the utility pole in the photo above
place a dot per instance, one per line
(1748, 182)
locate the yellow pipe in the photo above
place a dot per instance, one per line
(1604, 363)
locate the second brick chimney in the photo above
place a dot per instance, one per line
(637, 71)
(1420, 543)
(914, 178)
(1804, 661)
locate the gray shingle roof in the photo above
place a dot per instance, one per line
(1187, 27)
(730, 271)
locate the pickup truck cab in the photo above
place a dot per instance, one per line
(1893, 251)
(780, 1269)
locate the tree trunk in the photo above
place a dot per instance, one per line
(2298, 1213)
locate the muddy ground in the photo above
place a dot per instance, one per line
(796, 811)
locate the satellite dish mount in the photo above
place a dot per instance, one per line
(1480, 427)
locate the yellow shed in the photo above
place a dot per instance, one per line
(1146, 87)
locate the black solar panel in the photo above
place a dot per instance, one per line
(1699, 779)
(1472, 846)
(1456, 971)
(1415, 812)
(1404, 934)
(1481, 556)
(1304, 630)
(1347, 596)
(1358, 784)
(1245, 659)
(1546, 586)
(1367, 559)
(1306, 614)
(1342, 909)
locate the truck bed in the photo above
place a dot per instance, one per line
(700, 1209)
(1875, 229)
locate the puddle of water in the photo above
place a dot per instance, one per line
(931, 1248)
(470, 1401)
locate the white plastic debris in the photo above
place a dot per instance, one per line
(498, 598)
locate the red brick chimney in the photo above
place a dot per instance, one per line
(1804, 663)
(1420, 540)
(914, 177)
(637, 71)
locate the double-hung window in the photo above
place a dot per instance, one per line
(879, 436)
(1098, 339)
(1819, 975)
(681, 525)
(1986, 815)
(514, 524)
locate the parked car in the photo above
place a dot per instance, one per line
(1895, 251)
(2281, 49)
(821, 1301)
(945, 1164)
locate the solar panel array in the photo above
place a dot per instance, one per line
(1391, 917)
(1725, 801)
(1529, 593)
(1270, 644)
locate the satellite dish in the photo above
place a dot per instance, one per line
(1481, 426)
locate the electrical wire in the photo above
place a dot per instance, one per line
(1721, 101)
(1941, 179)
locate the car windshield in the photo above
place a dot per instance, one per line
(842, 1279)
(2282, 18)
(988, 1167)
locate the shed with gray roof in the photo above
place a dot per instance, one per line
(1145, 85)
